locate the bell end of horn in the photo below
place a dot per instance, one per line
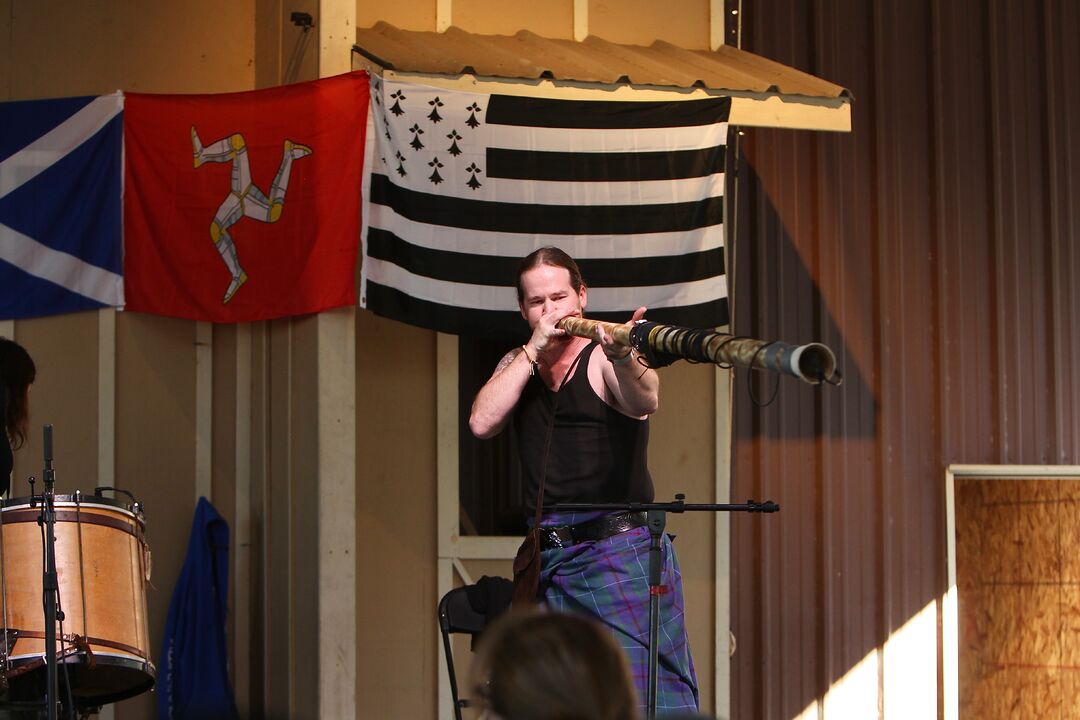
(814, 363)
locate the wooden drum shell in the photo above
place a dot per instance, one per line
(102, 564)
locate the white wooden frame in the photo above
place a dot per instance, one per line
(950, 638)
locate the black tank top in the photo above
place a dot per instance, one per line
(597, 454)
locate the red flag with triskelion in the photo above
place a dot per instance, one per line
(244, 206)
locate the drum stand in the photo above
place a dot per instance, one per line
(657, 516)
(49, 581)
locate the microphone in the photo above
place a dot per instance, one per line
(49, 474)
(48, 447)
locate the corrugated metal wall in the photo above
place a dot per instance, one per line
(937, 249)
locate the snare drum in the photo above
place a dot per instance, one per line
(103, 566)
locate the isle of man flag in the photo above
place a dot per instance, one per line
(244, 206)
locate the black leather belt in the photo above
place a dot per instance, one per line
(562, 536)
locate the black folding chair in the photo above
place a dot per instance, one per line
(458, 615)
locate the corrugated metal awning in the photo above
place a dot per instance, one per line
(765, 93)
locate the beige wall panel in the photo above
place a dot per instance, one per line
(257, 622)
(277, 660)
(506, 17)
(223, 444)
(64, 349)
(304, 519)
(223, 458)
(395, 499)
(60, 49)
(269, 25)
(6, 59)
(155, 454)
(201, 46)
(682, 460)
(640, 22)
(405, 14)
(67, 48)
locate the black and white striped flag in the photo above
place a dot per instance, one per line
(458, 187)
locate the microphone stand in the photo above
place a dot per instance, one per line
(49, 581)
(657, 520)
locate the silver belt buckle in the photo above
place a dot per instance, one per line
(555, 538)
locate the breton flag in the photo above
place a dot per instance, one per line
(458, 187)
(60, 248)
(244, 206)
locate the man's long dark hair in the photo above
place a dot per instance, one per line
(17, 372)
(554, 257)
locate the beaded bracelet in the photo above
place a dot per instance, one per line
(532, 362)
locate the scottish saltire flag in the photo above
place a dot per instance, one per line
(244, 206)
(460, 186)
(60, 190)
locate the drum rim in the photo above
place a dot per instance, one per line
(125, 658)
(112, 660)
(68, 501)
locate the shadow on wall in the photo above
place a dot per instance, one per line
(806, 584)
(777, 297)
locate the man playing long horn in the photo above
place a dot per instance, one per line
(581, 408)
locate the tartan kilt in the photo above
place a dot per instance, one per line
(608, 580)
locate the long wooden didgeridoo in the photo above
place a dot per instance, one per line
(812, 363)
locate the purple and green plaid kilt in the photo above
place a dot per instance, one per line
(609, 580)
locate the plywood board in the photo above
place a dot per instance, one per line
(1018, 593)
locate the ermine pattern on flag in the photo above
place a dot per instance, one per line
(458, 187)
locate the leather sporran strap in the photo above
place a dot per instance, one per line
(527, 570)
(527, 560)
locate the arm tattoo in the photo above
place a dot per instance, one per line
(507, 359)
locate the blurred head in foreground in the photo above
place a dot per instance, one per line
(535, 665)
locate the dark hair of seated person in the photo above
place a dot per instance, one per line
(535, 665)
(17, 373)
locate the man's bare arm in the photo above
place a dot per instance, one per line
(493, 405)
(634, 388)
